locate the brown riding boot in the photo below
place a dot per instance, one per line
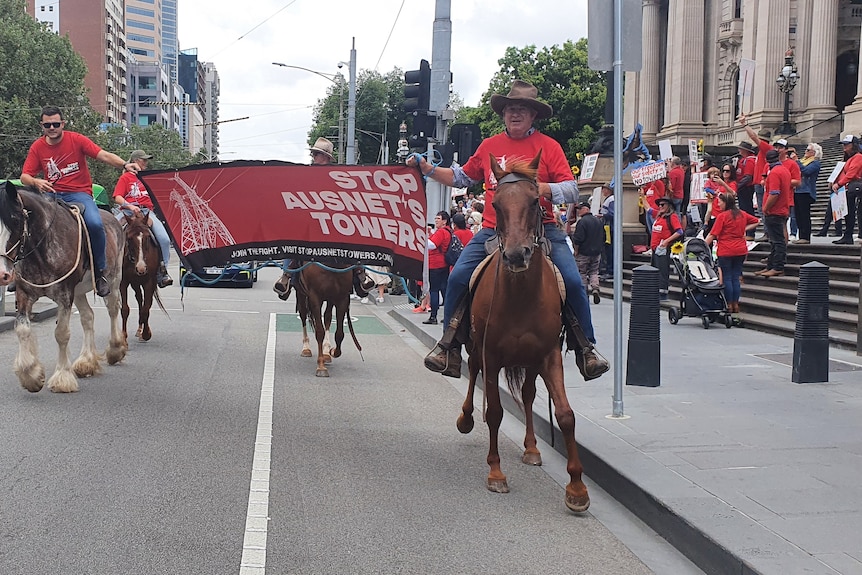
(445, 358)
(590, 363)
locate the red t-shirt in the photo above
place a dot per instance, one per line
(676, 178)
(730, 232)
(133, 191)
(716, 203)
(660, 229)
(746, 167)
(464, 235)
(761, 167)
(63, 164)
(653, 191)
(852, 170)
(441, 238)
(553, 167)
(778, 183)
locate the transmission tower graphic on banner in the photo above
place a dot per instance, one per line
(201, 228)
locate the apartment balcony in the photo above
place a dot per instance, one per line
(730, 33)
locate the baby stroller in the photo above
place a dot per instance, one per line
(702, 293)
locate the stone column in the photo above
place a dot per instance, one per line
(650, 80)
(773, 36)
(683, 101)
(853, 112)
(820, 75)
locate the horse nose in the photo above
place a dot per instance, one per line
(517, 258)
(5, 278)
(141, 269)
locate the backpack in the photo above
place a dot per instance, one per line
(450, 256)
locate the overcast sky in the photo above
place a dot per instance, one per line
(243, 38)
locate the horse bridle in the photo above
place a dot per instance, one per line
(539, 234)
(19, 245)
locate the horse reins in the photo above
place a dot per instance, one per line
(25, 234)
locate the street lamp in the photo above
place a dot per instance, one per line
(338, 80)
(787, 79)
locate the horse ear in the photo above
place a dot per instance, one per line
(535, 163)
(495, 168)
(11, 190)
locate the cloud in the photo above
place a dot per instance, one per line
(244, 38)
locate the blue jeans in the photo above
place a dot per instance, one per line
(438, 279)
(158, 231)
(474, 253)
(731, 271)
(93, 221)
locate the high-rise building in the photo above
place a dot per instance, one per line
(200, 80)
(96, 30)
(144, 30)
(170, 42)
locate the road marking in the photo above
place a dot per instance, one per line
(230, 311)
(257, 517)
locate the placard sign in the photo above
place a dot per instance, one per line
(588, 168)
(649, 173)
(692, 151)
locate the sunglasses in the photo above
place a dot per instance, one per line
(47, 125)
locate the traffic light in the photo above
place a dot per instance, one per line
(417, 88)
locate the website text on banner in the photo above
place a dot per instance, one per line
(243, 211)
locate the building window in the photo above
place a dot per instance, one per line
(141, 25)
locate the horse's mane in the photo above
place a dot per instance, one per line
(521, 167)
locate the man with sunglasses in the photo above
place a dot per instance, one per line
(61, 158)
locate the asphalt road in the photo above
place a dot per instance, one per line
(151, 467)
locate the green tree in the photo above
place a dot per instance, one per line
(166, 147)
(564, 81)
(379, 100)
(37, 68)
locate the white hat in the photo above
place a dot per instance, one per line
(780, 142)
(848, 139)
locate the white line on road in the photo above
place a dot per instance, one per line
(230, 311)
(257, 517)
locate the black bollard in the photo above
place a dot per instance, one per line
(811, 338)
(643, 365)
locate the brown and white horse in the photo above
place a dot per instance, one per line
(516, 325)
(45, 251)
(140, 271)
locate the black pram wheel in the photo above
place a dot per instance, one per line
(705, 321)
(728, 321)
(672, 317)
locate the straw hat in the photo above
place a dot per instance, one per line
(324, 146)
(524, 94)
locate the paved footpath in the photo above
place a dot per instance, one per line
(738, 467)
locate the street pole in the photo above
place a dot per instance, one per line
(341, 118)
(351, 108)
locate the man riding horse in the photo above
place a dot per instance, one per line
(520, 141)
(321, 155)
(61, 158)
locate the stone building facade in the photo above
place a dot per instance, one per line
(687, 87)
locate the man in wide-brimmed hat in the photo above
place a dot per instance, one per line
(321, 152)
(520, 141)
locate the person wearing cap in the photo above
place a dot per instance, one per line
(745, 177)
(60, 156)
(666, 229)
(761, 141)
(131, 197)
(520, 140)
(588, 239)
(850, 178)
(607, 212)
(776, 210)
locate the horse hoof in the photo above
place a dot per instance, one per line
(498, 485)
(336, 352)
(465, 423)
(322, 372)
(63, 382)
(146, 336)
(532, 458)
(305, 353)
(139, 333)
(577, 500)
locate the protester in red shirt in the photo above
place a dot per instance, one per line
(745, 177)
(776, 210)
(666, 229)
(731, 227)
(438, 269)
(761, 140)
(61, 158)
(851, 179)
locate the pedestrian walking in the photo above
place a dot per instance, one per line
(588, 239)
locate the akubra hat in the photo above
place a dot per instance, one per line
(748, 146)
(324, 146)
(661, 201)
(524, 94)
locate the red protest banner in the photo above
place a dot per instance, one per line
(242, 211)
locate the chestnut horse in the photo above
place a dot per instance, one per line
(515, 325)
(45, 245)
(315, 286)
(140, 270)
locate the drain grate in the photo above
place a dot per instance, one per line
(835, 365)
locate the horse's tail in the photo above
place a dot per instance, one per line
(352, 333)
(159, 301)
(515, 377)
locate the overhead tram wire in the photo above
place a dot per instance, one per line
(391, 30)
(267, 19)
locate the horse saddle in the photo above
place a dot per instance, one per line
(492, 245)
